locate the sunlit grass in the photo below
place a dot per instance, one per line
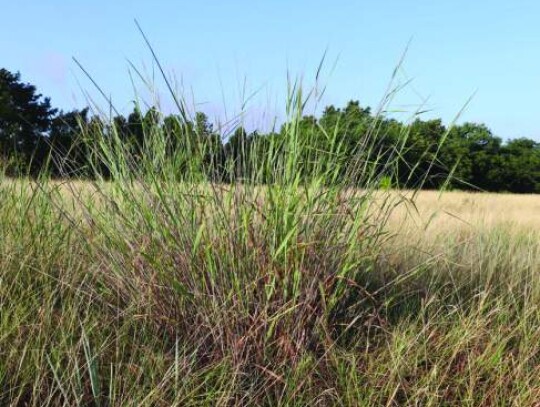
(295, 281)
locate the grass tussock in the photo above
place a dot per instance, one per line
(295, 281)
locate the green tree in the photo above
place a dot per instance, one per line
(25, 118)
(68, 151)
(421, 164)
(520, 169)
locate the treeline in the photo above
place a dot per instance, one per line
(35, 137)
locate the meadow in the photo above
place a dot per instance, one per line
(158, 304)
(304, 278)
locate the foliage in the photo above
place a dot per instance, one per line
(34, 137)
(25, 118)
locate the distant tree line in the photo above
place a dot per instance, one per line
(35, 137)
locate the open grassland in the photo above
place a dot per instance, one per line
(163, 294)
(296, 276)
(438, 211)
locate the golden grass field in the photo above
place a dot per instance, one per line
(439, 222)
(448, 210)
(432, 213)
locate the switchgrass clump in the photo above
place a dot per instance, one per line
(266, 271)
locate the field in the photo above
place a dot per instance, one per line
(180, 271)
(216, 239)
(159, 294)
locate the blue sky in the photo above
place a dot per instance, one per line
(457, 48)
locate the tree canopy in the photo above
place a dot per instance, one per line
(35, 137)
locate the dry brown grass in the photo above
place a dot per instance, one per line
(442, 211)
(431, 214)
(439, 216)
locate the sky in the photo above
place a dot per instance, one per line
(224, 53)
